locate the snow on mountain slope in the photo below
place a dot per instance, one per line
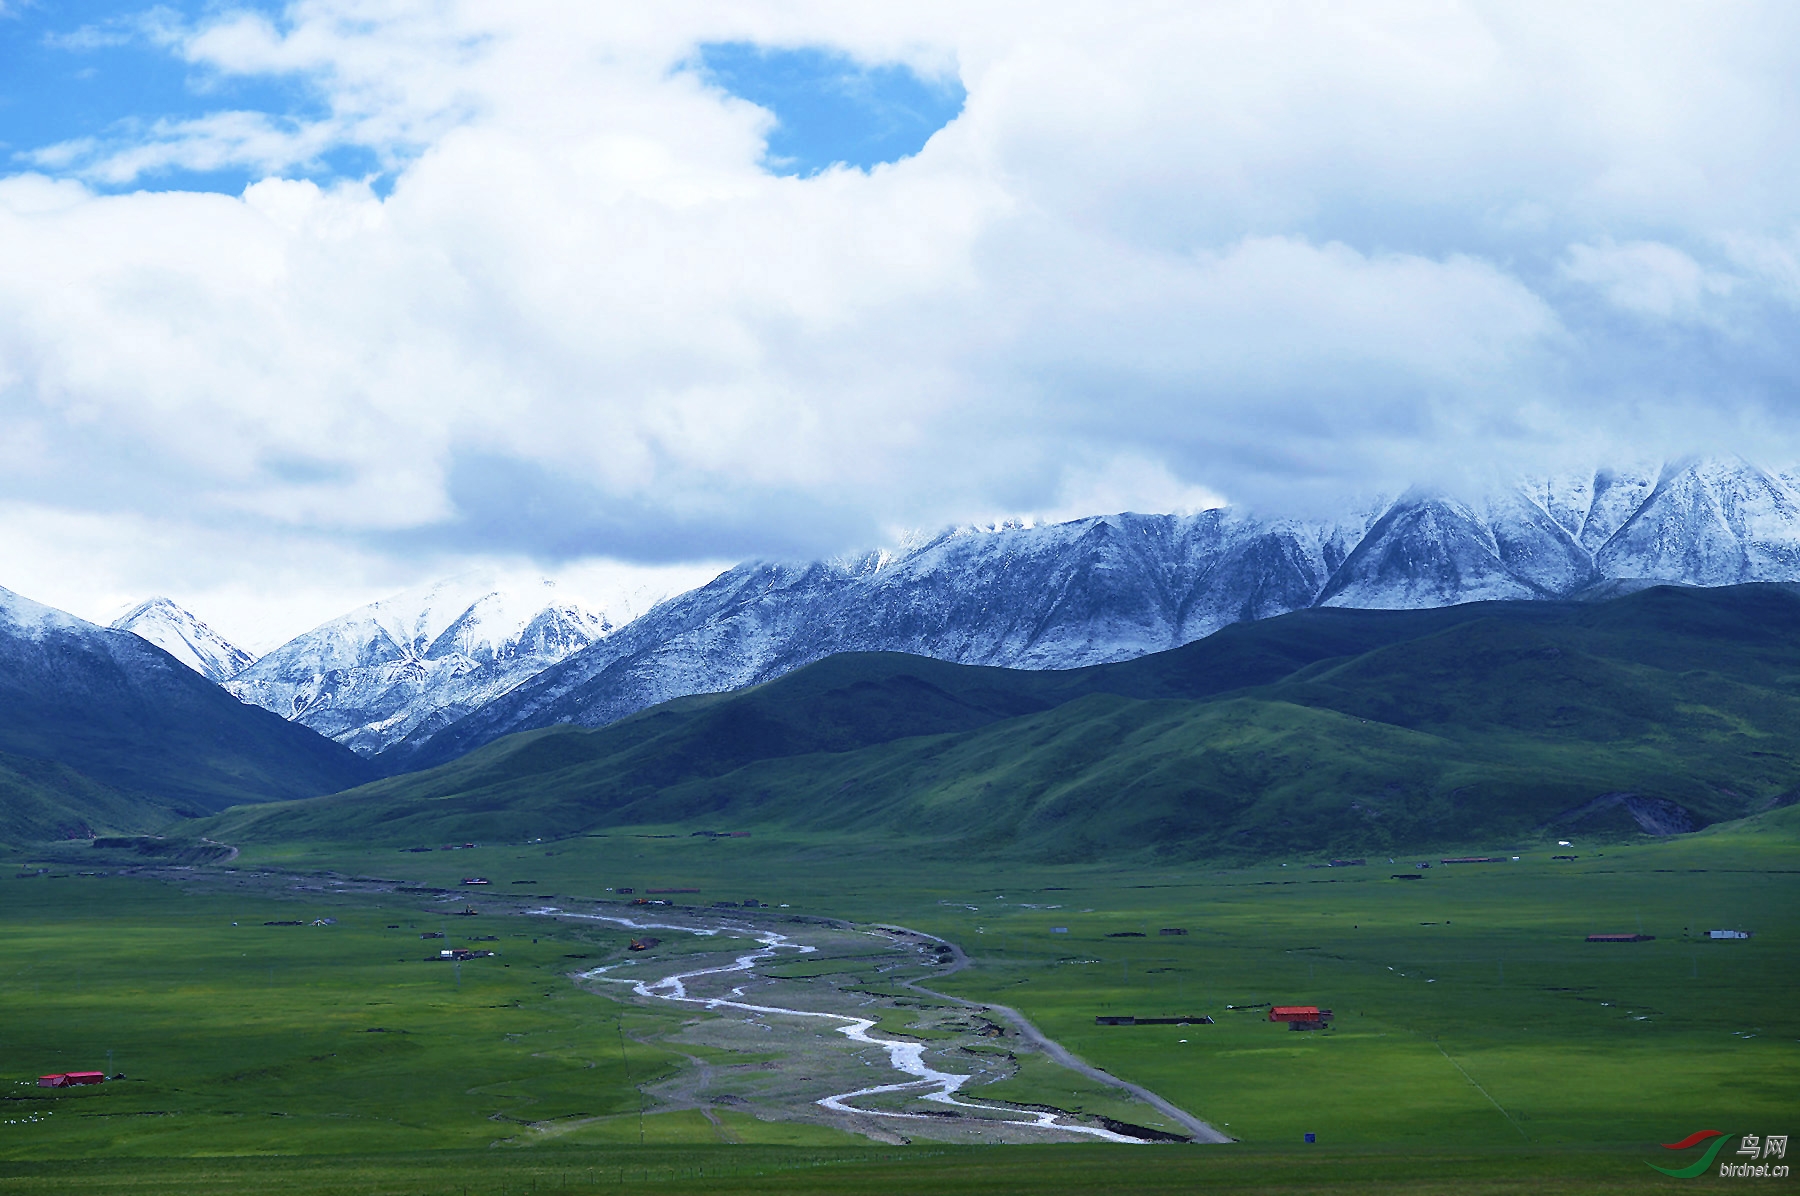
(185, 637)
(1566, 498)
(1430, 550)
(1113, 587)
(1425, 551)
(24, 619)
(1057, 596)
(1534, 545)
(1617, 494)
(1710, 523)
(417, 661)
(428, 675)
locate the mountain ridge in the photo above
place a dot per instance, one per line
(412, 663)
(1324, 729)
(1114, 587)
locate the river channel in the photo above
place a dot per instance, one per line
(927, 1082)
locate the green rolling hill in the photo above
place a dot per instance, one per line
(101, 731)
(43, 799)
(1340, 731)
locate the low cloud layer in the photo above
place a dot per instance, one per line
(1163, 256)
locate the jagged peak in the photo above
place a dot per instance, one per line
(183, 635)
(1030, 593)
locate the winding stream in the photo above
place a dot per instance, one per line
(908, 1058)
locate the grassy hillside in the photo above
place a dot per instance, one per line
(42, 800)
(100, 730)
(1340, 731)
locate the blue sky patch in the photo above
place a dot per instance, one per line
(107, 73)
(831, 108)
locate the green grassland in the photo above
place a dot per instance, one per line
(1335, 731)
(808, 1170)
(1470, 1010)
(1480, 1045)
(238, 1037)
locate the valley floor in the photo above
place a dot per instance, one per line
(284, 1005)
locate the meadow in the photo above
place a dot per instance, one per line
(1480, 1042)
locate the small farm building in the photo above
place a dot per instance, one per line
(1728, 934)
(71, 1078)
(1620, 938)
(1300, 1017)
(1294, 1013)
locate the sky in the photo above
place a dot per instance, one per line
(302, 304)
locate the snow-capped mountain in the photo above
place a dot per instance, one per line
(101, 728)
(1709, 525)
(1117, 586)
(186, 638)
(416, 662)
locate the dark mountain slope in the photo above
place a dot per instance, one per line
(131, 720)
(1330, 730)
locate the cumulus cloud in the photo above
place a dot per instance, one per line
(1647, 278)
(1164, 256)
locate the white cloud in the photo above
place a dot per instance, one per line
(259, 592)
(1125, 483)
(1165, 254)
(213, 142)
(158, 25)
(1647, 278)
(1775, 260)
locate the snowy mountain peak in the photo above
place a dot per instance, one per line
(179, 633)
(418, 659)
(439, 670)
(481, 615)
(1059, 595)
(30, 620)
(1709, 522)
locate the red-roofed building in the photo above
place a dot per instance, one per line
(71, 1078)
(1300, 1017)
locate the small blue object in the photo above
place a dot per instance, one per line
(1310, 1138)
